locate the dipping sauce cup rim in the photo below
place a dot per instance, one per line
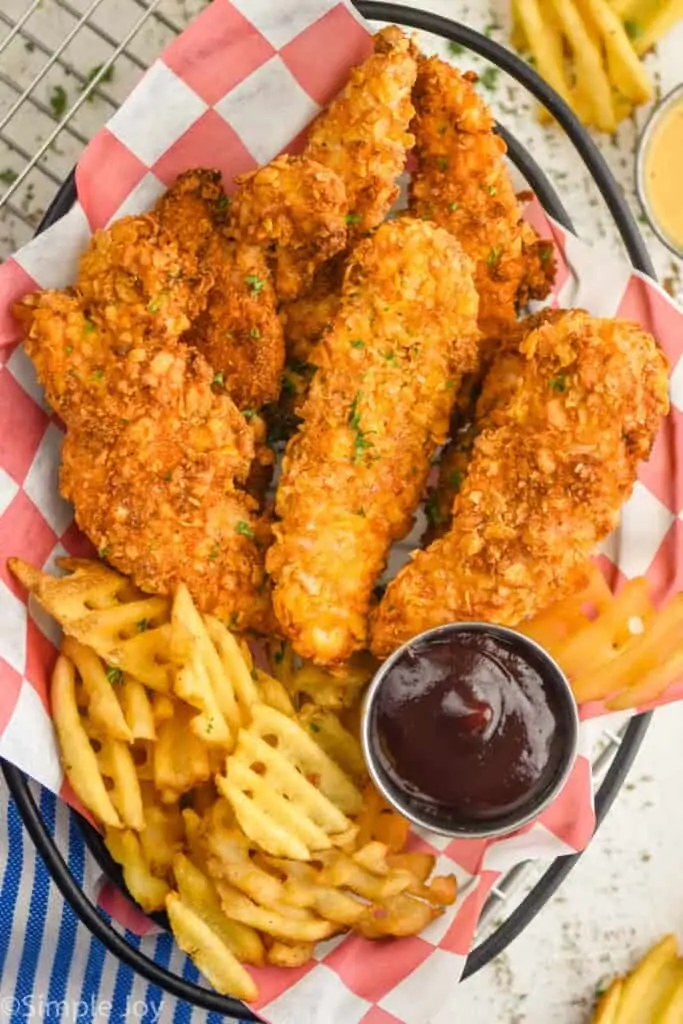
(654, 117)
(568, 719)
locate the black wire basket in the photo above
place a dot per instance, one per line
(86, 910)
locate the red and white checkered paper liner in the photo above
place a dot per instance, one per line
(235, 89)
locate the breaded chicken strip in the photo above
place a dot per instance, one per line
(307, 318)
(377, 408)
(239, 332)
(163, 501)
(462, 184)
(475, 409)
(295, 209)
(363, 134)
(549, 472)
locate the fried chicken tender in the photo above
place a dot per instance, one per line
(377, 408)
(295, 209)
(363, 134)
(307, 318)
(556, 459)
(462, 184)
(163, 501)
(239, 331)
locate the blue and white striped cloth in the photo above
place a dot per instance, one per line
(51, 968)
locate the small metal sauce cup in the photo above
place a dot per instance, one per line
(424, 813)
(651, 125)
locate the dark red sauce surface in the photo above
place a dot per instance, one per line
(467, 725)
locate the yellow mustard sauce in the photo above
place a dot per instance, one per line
(663, 174)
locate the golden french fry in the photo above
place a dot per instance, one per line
(379, 821)
(211, 955)
(337, 742)
(163, 834)
(116, 763)
(199, 893)
(104, 710)
(545, 42)
(78, 757)
(290, 798)
(273, 693)
(626, 72)
(200, 679)
(642, 984)
(281, 658)
(137, 709)
(145, 888)
(650, 685)
(290, 924)
(235, 666)
(588, 60)
(607, 1010)
(297, 954)
(334, 688)
(142, 752)
(648, 26)
(400, 915)
(181, 760)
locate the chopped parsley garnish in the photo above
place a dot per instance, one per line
(68, 349)
(89, 327)
(545, 253)
(433, 512)
(455, 479)
(360, 443)
(391, 358)
(215, 551)
(353, 218)
(248, 414)
(153, 306)
(278, 657)
(453, 207)
(8, 176)
(493, 257)
(103, 552)
(456, 49)
(442, 163)
(288, 385)
(142, 625)
(255, 283)
(559, 383)
(222, 203)
(360, 512)
(245, 530)
(218, 380)
(209, 727)
(489, 77)
(357, 343)
(449, 385)
(92, 75)
(58, 100)
(254, 333)
(97, 374)
(234, 620)
(315, 727)
(632, 29)
(114, 675)
(492, 190)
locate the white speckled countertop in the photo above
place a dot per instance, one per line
(627, 889)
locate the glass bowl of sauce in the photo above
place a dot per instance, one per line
(470, 730)
(658, 170)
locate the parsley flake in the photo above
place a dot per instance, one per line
(559, 383)
(215, 551)
(114, 675)
(442, 163)
(8, 176)
(97, 374)
(245, 530)
(315, 727)
(254, 333)
(222, 203)
(433, 512)
(453, 207)
(357, 343)
(153, 306)
(455, 479)
(218, 380)
(58, 100)
(68, 349)
(103, 552)
(391, 358)
(489, 77)
(632, 29)
(456, 49)
(142, 625)
(545, 253)
(493, 257)
(248, 414)
(353, 218)
(92, 75)
(255, 283)
(89, 327)
(360, 443)
(492, 190)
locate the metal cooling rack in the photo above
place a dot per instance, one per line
(64, 69)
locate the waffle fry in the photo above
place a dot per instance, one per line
(104, 711)
(289, 797)
(332, 688)
(209, 952)
(181, 759)
(337, 742)
(163, 834)
(146, 888)
(378, 821)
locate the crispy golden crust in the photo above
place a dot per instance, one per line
(239, 331)
(308, 317)
(475, 409)
(547, 477)
(295, 209)
(363, 135)
(377, 408)
(461, 183)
